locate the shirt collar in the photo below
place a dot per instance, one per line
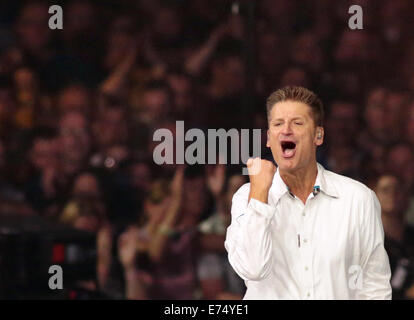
(279, 188)
(325, 184)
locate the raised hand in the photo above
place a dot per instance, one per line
(261, 173)
(104, 248)
(127, 247)
(176, 187)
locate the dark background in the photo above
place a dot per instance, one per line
(78, 108)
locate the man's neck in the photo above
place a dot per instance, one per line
(302, 181)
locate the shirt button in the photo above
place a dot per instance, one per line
(303, 214)
(306, 269)
(305, 240)
(308, 295)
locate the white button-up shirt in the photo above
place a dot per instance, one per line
(330, 248)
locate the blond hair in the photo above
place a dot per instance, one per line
(298, 94)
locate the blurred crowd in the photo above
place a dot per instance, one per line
(79, 106)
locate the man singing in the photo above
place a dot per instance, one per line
(303, 232)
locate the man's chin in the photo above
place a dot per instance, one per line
(287, 164)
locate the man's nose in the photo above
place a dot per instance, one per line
(286, 129)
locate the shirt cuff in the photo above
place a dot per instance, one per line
(262, 208)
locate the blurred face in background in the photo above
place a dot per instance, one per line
(342, 160)
(307, 51)
(140, 174)
(271, 53)
(348, 82)
(74, 98)
(110, 128)
(400, 159)
(194, 202)
(25, 80)
(88, 223)
(181, 87)
(85, 210)
(352, 48)
(374, 113)
(395, 106)
(342, 124)
(44, 154)
(80, 20)
(229, 73)
(87, 194)
(295, 77)
(118, 153)
(74, 139)
(155, 104)
(391, 195)
(393, 15)
(87, 185)
(277, 10)
(32, 27)
(167, 24)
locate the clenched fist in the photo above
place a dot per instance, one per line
(261, 174)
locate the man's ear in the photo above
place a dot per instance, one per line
(319, 136)
(267, 141)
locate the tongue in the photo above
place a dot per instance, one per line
(289, 152)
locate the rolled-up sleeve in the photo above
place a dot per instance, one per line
(375, 265)
(249, 239)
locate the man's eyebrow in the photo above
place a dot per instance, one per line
(295, 118)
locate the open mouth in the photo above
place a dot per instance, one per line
(288, 149)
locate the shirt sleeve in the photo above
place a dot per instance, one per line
(376, 271)
(248, 239)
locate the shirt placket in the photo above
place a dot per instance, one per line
(306, 250)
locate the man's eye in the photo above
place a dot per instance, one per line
(277, 124)
(299, 123)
